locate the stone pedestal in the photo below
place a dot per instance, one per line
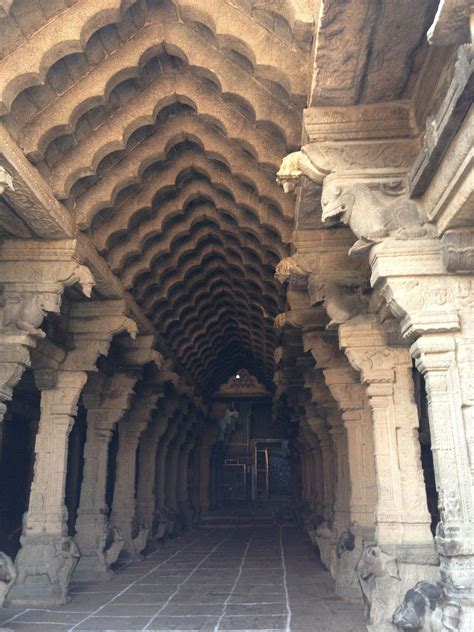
(48, 555)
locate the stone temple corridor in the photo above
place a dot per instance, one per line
(261, 578)
(237, 315)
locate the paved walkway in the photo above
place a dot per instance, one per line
(261, 578)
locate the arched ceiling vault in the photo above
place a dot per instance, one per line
(161, 126)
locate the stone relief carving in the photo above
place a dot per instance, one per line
(340, 302)
(373, 215)
(26, 311)
(376, 572)
(7, 575)
(114, 543)
(293, 167)
(40, 561)
(346, 542)
(427, 608)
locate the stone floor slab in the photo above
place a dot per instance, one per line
(274, 581)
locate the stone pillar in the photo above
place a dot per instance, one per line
(210, 432)
(163, 516)
(48, 555)
(123, 506)
(401, 513)
(435, 306)
(61, 377)
(319, 427)
(346, 389)
(324, 419)
(146, 488)
(402, 519)
(185, 506)
(106, 401)
(172, 458)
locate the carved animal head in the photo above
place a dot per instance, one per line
(337, 204)
(418, 607)
(346, 542)
(286, 268)
(48, 302)
(280, 321)
(289, 174)
(375, 563)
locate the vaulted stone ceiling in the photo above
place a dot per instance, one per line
(161, 125)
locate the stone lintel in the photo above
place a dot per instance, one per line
(31, 196)
(360, 122)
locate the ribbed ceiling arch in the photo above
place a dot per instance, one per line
(161, 126)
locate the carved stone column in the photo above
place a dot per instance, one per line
(435, 307)
(319, 427)
(146, 487)
(210, 433)
(184, 502)
(106, 401)
(402, 520)
(61, 377)
(171, 470)
(123, 506)
(48, 555)
(349, 393)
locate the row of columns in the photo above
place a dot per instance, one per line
(156, 416)
(405, 300)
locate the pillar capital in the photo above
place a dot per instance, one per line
(418, 281)
(93, 326)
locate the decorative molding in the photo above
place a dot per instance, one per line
(459, 251)
(360, 122)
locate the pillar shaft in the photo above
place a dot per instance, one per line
(45, 543)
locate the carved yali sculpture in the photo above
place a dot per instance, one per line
(26, 312)
(378, 576)
(373, 215)
(426, 608)
(340, 302)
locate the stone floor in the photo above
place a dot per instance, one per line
(261, 578)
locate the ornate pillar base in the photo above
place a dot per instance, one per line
(44, 566)
(100, 545)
